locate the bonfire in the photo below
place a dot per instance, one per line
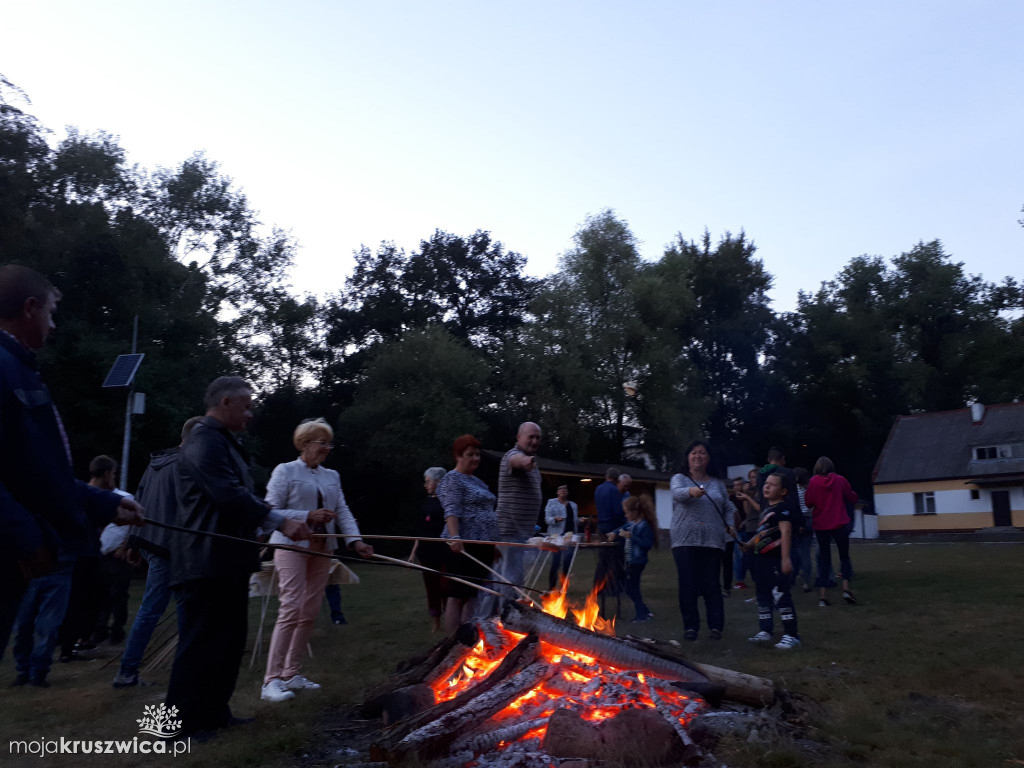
(533, 688)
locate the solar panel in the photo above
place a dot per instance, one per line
(123, 370)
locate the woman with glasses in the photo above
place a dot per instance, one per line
(305, 490)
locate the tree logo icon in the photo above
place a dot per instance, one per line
(160, 721)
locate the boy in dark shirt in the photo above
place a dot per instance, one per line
(772, 564)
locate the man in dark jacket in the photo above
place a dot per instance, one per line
(45, 513)
(211, 575)
(611, 561)
(158, 494)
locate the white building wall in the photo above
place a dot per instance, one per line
(663, 506)
(946, 502)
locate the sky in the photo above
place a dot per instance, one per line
(824, 130)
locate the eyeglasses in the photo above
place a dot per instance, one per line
(324, 443)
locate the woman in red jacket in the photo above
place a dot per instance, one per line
(827, 495)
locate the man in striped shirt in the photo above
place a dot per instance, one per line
(519, 499)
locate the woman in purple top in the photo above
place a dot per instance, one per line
(469, 513)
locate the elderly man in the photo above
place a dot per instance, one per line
(210, 574)
(519, 500)
(47, 516)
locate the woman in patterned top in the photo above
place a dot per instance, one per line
(700, 507)
(468, 506)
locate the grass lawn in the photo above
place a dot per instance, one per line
(927, 671)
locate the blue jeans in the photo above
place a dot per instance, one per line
(333, 594)
(512, 568)
(154, 603)
(803, 550)
(39, 618)
(740, 559)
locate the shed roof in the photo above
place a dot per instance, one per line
(940, 445)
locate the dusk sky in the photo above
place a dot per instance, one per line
(823, 130)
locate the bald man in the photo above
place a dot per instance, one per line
(519, 499)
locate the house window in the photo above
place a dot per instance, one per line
(975, 494)
(989, 452)
(924, 503)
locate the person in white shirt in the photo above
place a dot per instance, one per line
(307, 491)
(562, 516)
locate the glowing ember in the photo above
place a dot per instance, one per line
(595, 690)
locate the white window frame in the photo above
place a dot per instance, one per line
(924, 503)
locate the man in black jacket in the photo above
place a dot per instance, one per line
(46, 515)
(211, 575)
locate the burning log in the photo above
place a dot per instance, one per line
(670, 718)
(739, 686)
(433, 739)
(496, 643)
(451, 664)
(610, 650)
(484, 742)
(416, 670)
(523, 655)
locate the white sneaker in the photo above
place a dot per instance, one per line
(300, 683)
(761, 638)
(275, 691)
(787, 643)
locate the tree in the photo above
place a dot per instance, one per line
(470, 285)
(417, 394)
(108, 234)
(724, 336)
(880, 341)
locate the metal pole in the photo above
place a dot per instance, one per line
(123, 484)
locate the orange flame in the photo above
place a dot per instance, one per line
(554, 602)
(590, 615)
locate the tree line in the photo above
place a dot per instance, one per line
(620, 359)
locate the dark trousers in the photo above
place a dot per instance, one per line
(611, 572)
(727, 569)
(12, 587)
(772, 589)
(212, 626)
(698, 569)
(433, 557)
(115, 578)
(561, 560)
(841, 536)
(633, 574)
(83, 605)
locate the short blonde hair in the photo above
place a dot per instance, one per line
(310, 430)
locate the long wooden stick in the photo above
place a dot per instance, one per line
(547, 545)
(448, 576)
(485, 565)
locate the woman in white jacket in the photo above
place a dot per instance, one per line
(304, 490)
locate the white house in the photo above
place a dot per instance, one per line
(959, 470)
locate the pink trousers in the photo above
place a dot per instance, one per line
(300, 584)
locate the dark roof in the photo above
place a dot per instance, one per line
(578, 469)
(939, 446)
